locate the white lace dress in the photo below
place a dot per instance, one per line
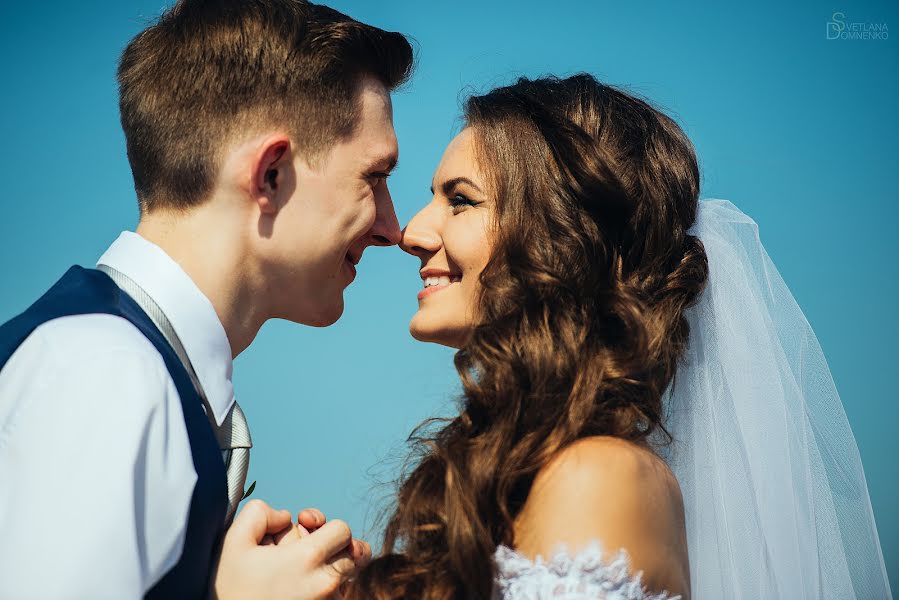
(580, 577)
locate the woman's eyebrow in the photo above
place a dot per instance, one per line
(449, 184)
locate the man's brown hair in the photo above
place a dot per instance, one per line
(209, 69)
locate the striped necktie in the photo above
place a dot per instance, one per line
(236, 451)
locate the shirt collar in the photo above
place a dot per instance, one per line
(190, 312)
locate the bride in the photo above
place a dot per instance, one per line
(645, 411)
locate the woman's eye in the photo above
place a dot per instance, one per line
(460, 202)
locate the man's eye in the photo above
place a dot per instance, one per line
(379, 175)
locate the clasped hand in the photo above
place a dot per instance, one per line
(265, 555)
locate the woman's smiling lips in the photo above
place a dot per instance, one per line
(436, 280)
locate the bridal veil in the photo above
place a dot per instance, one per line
(776, 502)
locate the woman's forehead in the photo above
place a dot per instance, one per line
(459, 160)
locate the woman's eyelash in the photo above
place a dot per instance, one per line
(460, 200)
(380, 175)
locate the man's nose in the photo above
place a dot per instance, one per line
(386, 230)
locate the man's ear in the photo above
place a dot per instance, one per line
(269, 164)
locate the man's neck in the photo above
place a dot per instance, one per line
(209, 248)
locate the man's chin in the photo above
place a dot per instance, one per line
(320, 316)
(329, 317)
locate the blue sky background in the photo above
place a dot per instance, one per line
(799, 131)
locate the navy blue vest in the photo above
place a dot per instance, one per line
(82, 291)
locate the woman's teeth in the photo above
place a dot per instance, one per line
(442, 280)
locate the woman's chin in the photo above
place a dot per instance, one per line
(434, 333)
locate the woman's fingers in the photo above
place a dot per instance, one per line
(311, 518)
(361, 552)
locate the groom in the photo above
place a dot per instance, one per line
(260, 137)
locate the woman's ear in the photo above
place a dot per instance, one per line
(268, 172)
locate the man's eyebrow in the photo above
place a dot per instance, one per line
(389, 163)
(447, 186)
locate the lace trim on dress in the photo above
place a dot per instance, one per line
(565, 577)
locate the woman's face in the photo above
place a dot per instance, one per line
(451, 236)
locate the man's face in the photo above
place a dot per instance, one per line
(337, 209)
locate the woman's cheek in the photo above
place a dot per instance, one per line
(467, 243)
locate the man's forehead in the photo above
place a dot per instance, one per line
(375, 103)
(380, 152)
(371, 150)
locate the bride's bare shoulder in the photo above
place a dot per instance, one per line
(618, 493)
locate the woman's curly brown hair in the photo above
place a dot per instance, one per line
(581, 321)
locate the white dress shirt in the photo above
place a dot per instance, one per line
(96, 472)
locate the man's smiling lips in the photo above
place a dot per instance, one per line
(351, 260)
(436, 280)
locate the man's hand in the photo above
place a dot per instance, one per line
(302, 565)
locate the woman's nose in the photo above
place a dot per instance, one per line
(421, 236)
